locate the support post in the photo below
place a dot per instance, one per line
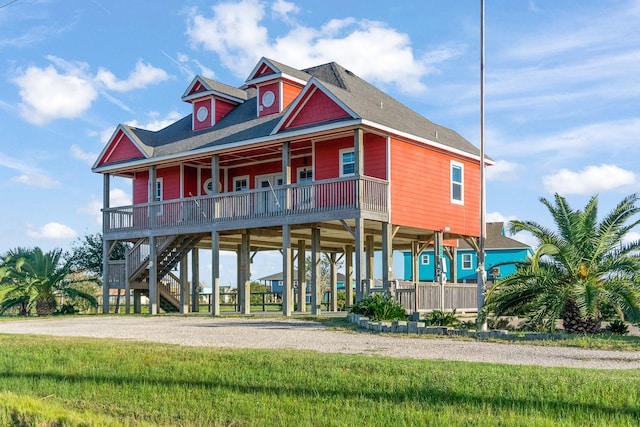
(348, 273)
(302, 276)
(195, 280)
(370, 254)
(245, 268)
(105, 243)
(184, 285)
(387, 253)
(359, 247)
(153, 277)
(287, 281)
(333, 272)
(315, 271)
(215, 273)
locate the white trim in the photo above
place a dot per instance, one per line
(108, 149)
(271, 177)
(155, 190)
(300, 102)
(462, 257)
(423, 257)
(283, 136)
(341, 152)
(452, 164)
(220, 149)
(304, 169)
(238, 178)
(426, 141)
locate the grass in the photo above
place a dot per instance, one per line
(52, 381)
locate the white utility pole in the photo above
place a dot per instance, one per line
(481, 272)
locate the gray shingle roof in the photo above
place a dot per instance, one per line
(496, 239)
(368, 102)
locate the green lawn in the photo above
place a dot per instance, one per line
(69, 381)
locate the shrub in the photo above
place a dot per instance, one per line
(440, 318)
(380, 307)
(500, 323)
(617, 327)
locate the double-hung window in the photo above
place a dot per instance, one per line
(457, 183)
(347, 162)
(467, 260)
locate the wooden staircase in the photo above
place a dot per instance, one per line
(169, 251)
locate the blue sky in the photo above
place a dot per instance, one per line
(562, 90)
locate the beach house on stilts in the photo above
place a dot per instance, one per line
(315, 160)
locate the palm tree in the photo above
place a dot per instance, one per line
(577, 270)
(33, 279)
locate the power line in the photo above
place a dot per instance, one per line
(7, 4)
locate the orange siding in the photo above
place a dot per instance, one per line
(318, 108)
(420, 190)
(121, 149)
(289, 93)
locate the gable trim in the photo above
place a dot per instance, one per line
(188, 96)
(303, 98)
(112, 144)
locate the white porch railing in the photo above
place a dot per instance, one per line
(366, 193)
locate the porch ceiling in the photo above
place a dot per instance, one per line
(334, 236)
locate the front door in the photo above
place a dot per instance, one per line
(270, 198)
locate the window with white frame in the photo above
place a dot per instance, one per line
(467, 261)
(424, 259)
(305, 175)
(347, 162)
(457, 183)
(158, 190)
(241, 183)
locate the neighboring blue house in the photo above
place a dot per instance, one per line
(274, 282)
(498, 249)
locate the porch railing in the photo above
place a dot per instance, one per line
(296, 199)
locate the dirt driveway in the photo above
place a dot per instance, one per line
(276, 333)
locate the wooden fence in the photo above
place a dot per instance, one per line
(426, 296)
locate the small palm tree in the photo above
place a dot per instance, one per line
(576, 270)
(33, 279)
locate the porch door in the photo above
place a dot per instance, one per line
(304, 191)
(269, 200)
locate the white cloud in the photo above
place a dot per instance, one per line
(28, 174)
(85, 156)
(117, 198)
(591, 180)
(51, 230)
(502, 170)
(142, 76)
(371, 49)
(282, 9)
(65, 89)
(498, 217)
(47, 94)
(156, 122)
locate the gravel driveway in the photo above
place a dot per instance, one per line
(269, 333)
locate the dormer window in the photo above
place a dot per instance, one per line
(211, 101)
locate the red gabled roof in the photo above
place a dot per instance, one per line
(120, 147)
(314, 105)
